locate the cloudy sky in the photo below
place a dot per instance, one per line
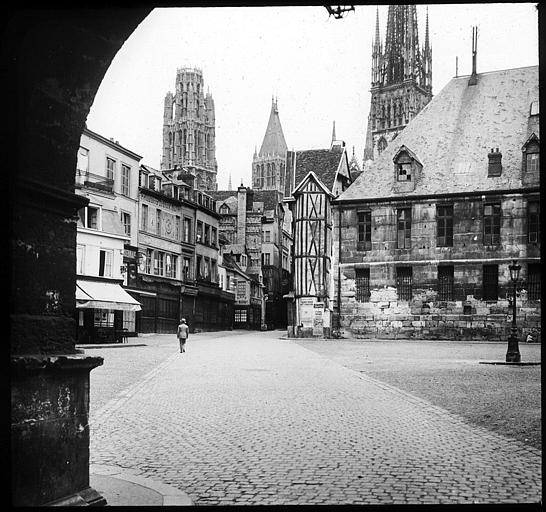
(317, 67)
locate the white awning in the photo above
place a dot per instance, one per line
(101, 295)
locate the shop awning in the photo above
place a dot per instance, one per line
(101, 295)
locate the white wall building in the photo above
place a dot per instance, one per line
(107, 174)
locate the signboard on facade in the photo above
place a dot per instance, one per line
(242, 293)
(317, 318)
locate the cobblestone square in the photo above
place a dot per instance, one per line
(250, 418)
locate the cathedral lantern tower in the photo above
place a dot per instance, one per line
(401, 78)
(268, 166)
(189, 129)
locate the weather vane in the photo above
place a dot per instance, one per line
(339, 11)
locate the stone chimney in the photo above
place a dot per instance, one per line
(495, 162)
(241, 214)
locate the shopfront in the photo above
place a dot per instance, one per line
(104, 311)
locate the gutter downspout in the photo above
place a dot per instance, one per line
(338, 330)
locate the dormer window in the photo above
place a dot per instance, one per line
(224, 210)
(406, 170)
(531, 161)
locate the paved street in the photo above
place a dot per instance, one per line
(248, 419)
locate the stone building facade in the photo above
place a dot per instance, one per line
(107, 175)
(189, 129)
(253, 223)
(401, 78)
(178, 248)
(424, 237)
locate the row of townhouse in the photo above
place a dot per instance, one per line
(149, 250)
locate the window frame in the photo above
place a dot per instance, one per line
(106, 264)
(144, 217)
(444, 223)
(362, 285)
(492, 222)
(110, 172)
(533, 222)
(446, 281)
(125, 182)
(404, 290)
(126, 225)
(406, 229)
(364, 230)
(490, 287)
(533, 281)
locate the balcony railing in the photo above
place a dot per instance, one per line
(87, 179)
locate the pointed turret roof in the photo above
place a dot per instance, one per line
(273, 143)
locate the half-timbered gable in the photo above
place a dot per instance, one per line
(318, 176)
(313, 237)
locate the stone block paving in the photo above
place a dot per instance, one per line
(257, 420)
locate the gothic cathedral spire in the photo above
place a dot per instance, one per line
(268, 166)
(401, 83)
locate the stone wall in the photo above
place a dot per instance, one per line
(467, 316)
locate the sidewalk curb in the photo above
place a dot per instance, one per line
(169, 496)
(111, 345)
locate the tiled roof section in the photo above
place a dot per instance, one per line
(270, 198)
(323, 162)
(274, 142)
(222, 195)
(454, 133)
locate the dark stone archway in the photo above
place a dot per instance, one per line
(56, 61)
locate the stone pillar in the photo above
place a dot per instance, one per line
(56, 59)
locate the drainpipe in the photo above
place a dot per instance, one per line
(338, 334)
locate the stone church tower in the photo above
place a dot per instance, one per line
(268, 166)
(189, 129)
(401, 78)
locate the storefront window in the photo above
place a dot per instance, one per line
(104, 318)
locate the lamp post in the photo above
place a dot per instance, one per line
(513, 355)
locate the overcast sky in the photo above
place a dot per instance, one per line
(317, 67)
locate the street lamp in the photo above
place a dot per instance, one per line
(513, 355)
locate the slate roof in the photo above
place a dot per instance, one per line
(454, 133)
(221, 195)
(323, 162)
(274, 142)
(269, 198)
